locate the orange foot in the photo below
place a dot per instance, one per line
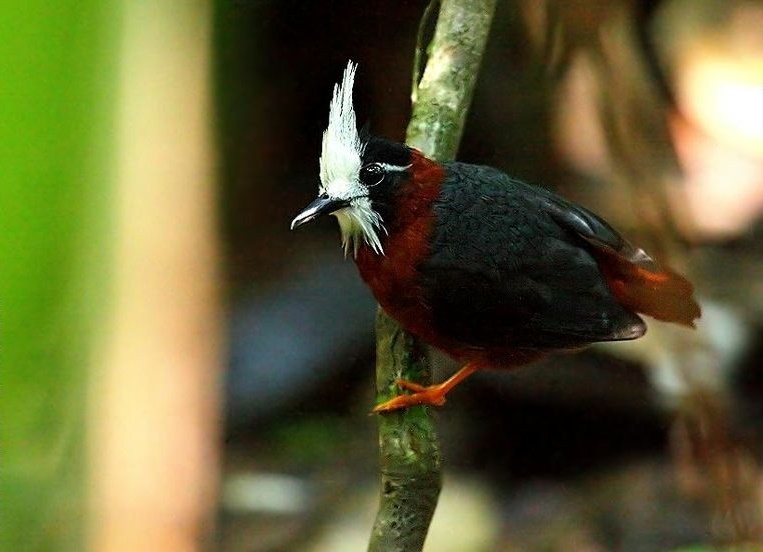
(433, 395)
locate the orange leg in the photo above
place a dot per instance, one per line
(434, 395)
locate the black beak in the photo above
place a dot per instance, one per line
(321, 206)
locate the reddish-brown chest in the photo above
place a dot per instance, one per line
(393, 277)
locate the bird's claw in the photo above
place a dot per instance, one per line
(411, 386)
(432, 396)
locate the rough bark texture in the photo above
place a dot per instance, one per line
(445, 90)
(409, 452)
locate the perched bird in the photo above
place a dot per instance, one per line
(495, 272)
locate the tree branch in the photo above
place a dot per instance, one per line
(445, 90)
(409, 452)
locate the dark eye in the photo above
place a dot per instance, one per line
(372, 174)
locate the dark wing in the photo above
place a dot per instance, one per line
(507, 269)
(592, 228)
(634, 278)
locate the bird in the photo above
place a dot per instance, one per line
(495, 272)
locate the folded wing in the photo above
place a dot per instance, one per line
(507, 268)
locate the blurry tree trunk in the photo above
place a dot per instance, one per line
(56, 63)
(409, 451)
(154, 407)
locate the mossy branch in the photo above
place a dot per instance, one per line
(409, 451)
(445, 91)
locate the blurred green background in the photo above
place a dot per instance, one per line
(59, 63)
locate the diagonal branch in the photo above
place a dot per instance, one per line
(409, 450)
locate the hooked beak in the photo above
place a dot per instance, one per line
(321, 206)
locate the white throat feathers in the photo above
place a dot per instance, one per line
(340, 164)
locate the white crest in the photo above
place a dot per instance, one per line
(340, 162)
(342, 148)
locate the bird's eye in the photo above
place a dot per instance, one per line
(372, 174)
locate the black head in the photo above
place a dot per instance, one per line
(384, 171)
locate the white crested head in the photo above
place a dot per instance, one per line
(358, 178)
(340, 164)
(342, 149)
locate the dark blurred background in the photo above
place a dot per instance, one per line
(217, 392)
(615, 104)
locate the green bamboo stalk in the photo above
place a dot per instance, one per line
(57, 62)
(410, 462)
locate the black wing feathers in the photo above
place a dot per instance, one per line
(596, 231)
(508, 266)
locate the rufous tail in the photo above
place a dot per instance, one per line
(641, 286)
